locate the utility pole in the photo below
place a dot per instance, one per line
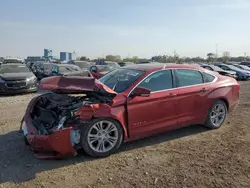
(216, 48)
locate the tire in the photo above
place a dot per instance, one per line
(210, 121)
(101, 143)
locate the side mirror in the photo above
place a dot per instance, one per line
(141, 92)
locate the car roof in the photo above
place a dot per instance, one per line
(158, 66)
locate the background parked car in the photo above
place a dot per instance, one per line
(109, 63)
(220, 70)
(43, 70)
(244, 67)
(12, 60)
(83, 64)
(241, 74)
(122, 64)
(16, 78)
(245, 63)
(99, 70)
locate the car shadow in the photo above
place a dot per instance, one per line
(18, 164)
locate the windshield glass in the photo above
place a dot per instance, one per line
(244, 67)
(215, 68)
(234, 68)
(13, 69)
(120, 79)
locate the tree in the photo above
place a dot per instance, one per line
(210, 57)
(226, 56)
(83, 58)
(114, 58)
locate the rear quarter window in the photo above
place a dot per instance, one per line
(208, 77)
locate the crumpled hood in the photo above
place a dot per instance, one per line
(73, 84)
(16, 76)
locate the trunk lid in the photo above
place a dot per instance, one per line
(73, 84)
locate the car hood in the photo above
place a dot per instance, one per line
(16, 76)
(73, 84)
(244, 71)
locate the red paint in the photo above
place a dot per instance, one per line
(141, 116)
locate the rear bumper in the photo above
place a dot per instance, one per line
(233, 106)
(56, 145)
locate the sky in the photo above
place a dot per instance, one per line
(144, 28)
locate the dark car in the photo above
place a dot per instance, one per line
(220, 71)
(16, 78)
(98, 71)
(126, 104)
(122, 64)
(241, 74)
(247, 63)
(43, 70)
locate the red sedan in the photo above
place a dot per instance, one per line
(126, 104)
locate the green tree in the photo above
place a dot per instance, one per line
(114, 58)
(210, 57)
(83, 58)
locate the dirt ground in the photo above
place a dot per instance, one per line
(190, 157)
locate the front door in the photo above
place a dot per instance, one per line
(148, 115)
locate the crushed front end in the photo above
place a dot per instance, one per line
(52, 124)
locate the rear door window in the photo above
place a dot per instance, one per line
(187, 77)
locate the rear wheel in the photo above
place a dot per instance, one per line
(217, 115)
(102, 137)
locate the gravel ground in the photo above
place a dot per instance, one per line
(190, 157)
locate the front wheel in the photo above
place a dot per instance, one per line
(216, 115)
(101, 137)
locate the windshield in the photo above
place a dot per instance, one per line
(13, 69)
(120, 79)
(215, 68)
(234, 68)
(243, 67)
(104, 68)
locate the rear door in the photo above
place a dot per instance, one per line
(147, 115)
(192, 95)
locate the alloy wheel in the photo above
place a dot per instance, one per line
(102, 136)
(218, 114)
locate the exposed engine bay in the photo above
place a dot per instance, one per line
(53, 112)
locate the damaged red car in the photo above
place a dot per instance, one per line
(126, 104)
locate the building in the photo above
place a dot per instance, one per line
(65, 56)
(48, 54)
